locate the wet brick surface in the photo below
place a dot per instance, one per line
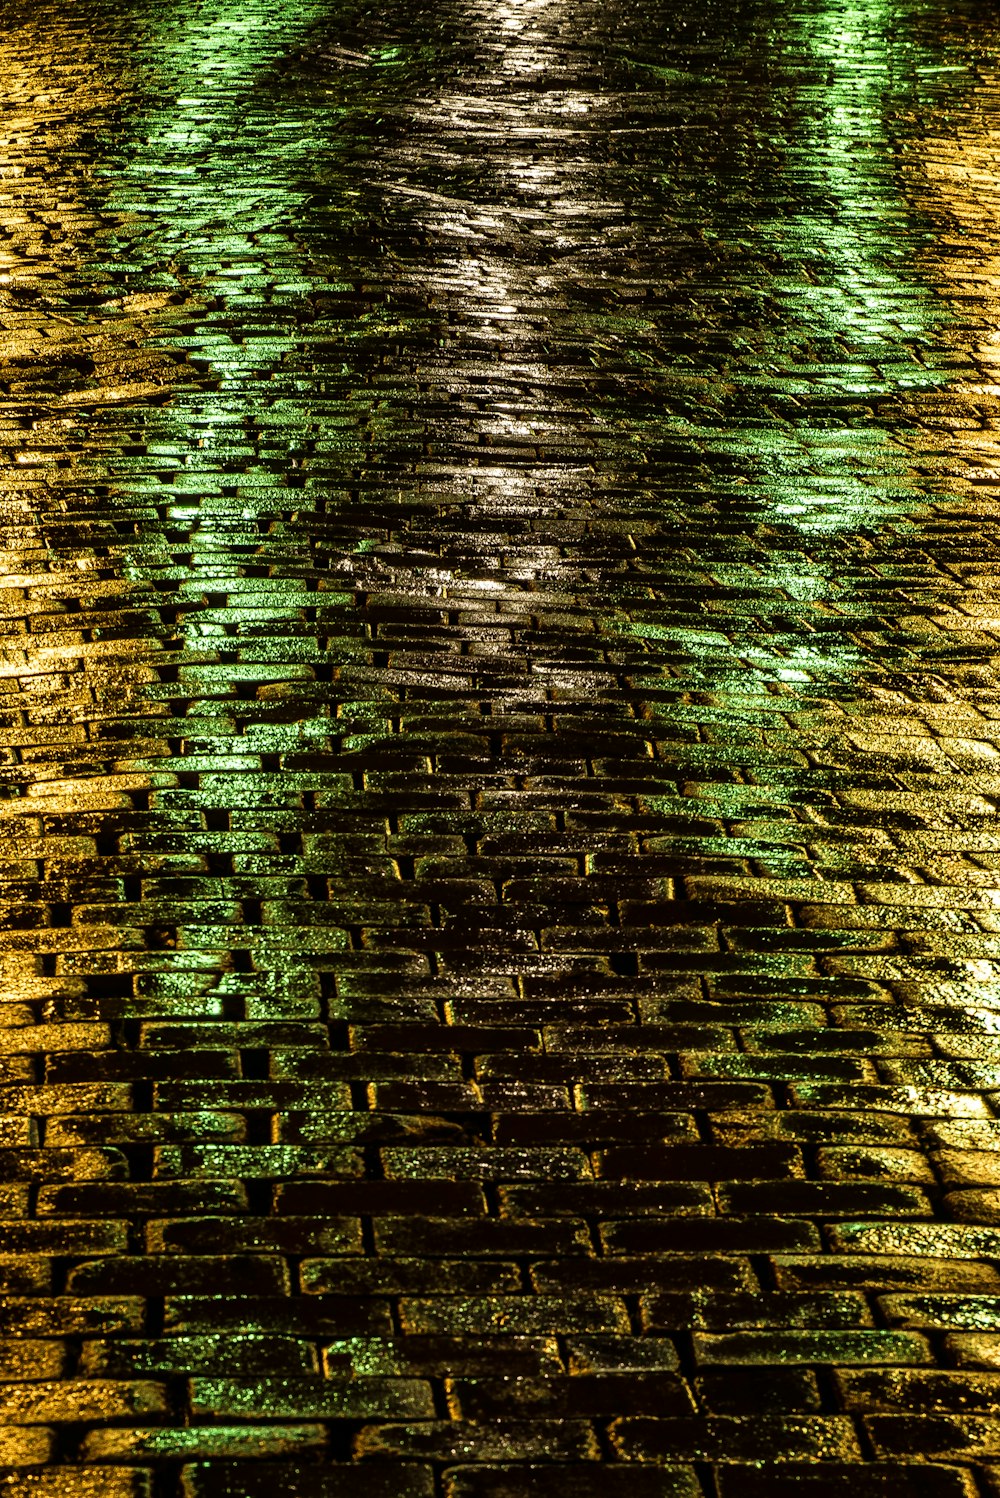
(499, 859)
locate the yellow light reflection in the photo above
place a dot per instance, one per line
(955, 177)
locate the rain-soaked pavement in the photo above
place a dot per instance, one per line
(501, 749)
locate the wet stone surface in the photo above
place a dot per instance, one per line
(500, 757)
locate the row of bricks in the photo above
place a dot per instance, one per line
(500, 1089)
(180, 1147)
(297, 1137)
(715, 1356)
(599, 1284)
(807, 1437)
(960, 1307)
(96, 1398)
(453, 1159)
(624, 1369)
(641, 1066)
(283, 1039)
(180, 1210)
(406, 1479)
(595, 1065)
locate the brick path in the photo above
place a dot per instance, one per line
(500, 765)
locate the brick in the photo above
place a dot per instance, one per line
(442, 1237)
(413, 1276)
(519, 1314)
(158, 1358)
(919, 1102)
(528, 1481)
(884, 1273)
(539, 1440)
(311, 1399)
(158, 1443)
(841, 1163)
(870, 1480)
(394, 1198)
(68, 1237)
(635, 1275)
(497, 1164)
(140, 1199)
(77, 1400)
(180, 1274)
(804, 1346)
(21, 1359)
(746, 1235)
(30, 1447)
(608, 1198)
(702, 1163)
(730, 1390)
(813, 1127)
(935, 1436)
(440, 1356)
(728, 1439)
(25, 1274)
(260, 1161)
(917, 1390)
(80, 1482)
(826, 1199)
(601, 1353)
(592, 1128)
(221, 1479)
(939, 1240)
(274, 1312)
(289, 1235)
(44, 1316)
(974, 1350)
(585, 1396)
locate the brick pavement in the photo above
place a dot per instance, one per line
(499, 774)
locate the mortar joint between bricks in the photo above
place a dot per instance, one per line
(706, 1476)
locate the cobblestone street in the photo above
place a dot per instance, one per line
(500, 755)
